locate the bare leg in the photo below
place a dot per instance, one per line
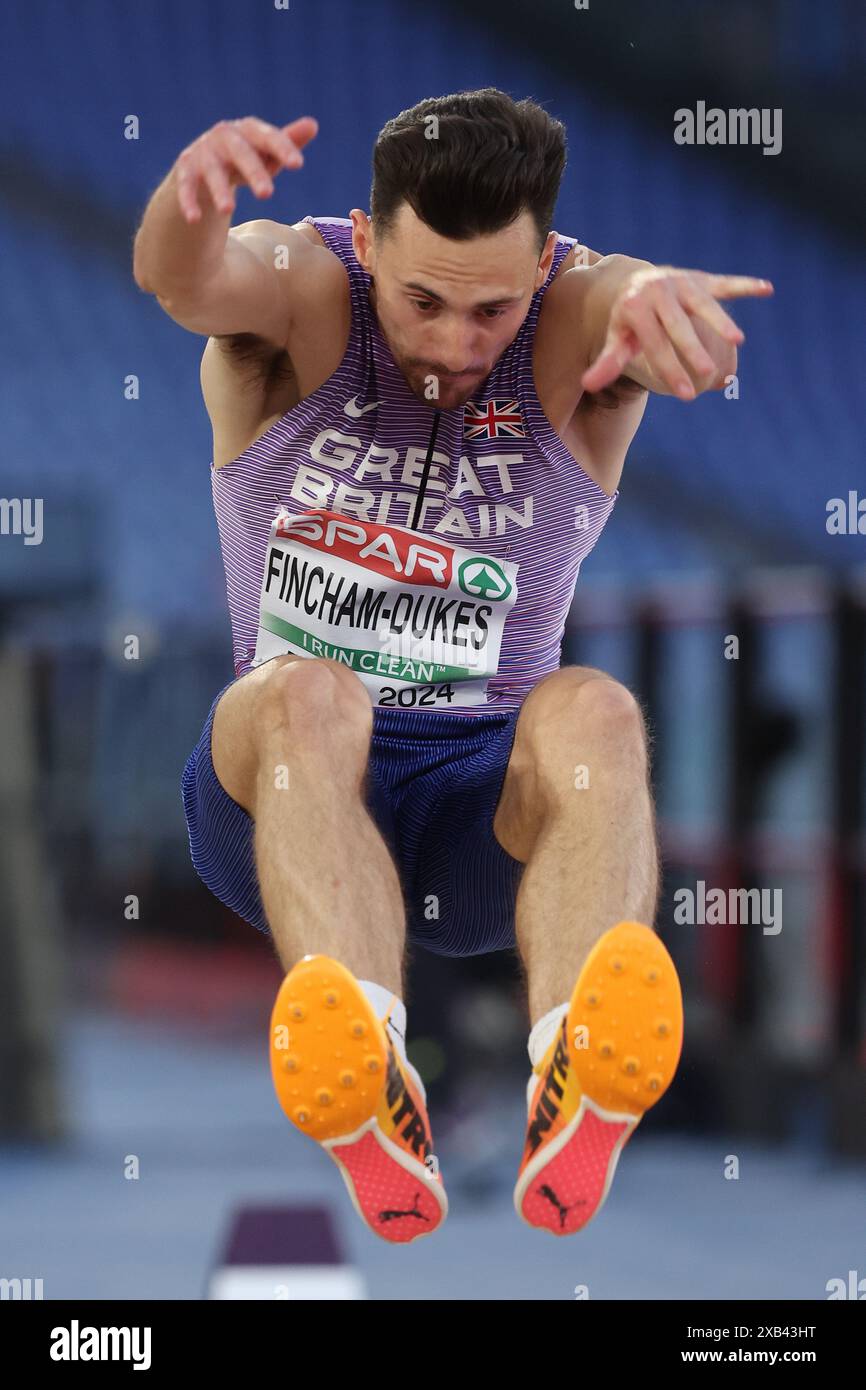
(290, 744)
(590, 851)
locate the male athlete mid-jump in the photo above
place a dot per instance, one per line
(420, 420)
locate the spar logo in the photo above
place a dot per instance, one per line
(387, 550)
(483, 578)
(395, 551)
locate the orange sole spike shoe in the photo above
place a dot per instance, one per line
(339, 1080)
(613, 1059)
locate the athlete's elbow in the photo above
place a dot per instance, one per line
(142, 264)
(139, 274)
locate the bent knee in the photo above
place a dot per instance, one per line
(316, 692)
(303, 702)
(608, 703)
(580, 702)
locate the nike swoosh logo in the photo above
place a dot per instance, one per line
(352, 408)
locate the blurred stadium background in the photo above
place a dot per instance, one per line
(141, 1030)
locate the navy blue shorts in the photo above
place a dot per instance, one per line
(433, 785)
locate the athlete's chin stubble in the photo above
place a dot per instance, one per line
(447, 400)
(440, 403)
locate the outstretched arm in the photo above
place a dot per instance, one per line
(210, 277)
(661, 326)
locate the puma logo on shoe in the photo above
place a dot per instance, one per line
(389, 1215)
(545, 1191)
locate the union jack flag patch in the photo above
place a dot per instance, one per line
(493, 420)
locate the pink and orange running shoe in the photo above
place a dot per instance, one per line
(613, 1058)
(340, 1080)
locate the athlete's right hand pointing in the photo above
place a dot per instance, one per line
(234, 152)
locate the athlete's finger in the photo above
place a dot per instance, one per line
(240, 153)
(618, 351)
(683, 335)
(661, 358)
(271, 142)
(702, 305)
(188, 178)
(302, 130)
(216, 178)
(735, 286)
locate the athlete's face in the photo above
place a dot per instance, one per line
(449, 309)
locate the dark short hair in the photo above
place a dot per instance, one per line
(491, 158)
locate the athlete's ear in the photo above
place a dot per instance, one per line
(362, 237)
(545, 260)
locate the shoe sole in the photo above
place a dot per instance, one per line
(628, 999)
(331, 1062)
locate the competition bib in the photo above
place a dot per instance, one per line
(418, 619)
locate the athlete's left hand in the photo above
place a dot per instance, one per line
(652, 337)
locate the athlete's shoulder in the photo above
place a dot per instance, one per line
(579, 257)
(315, 268)
(268, 230)
(330, 240)
(294, 241)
